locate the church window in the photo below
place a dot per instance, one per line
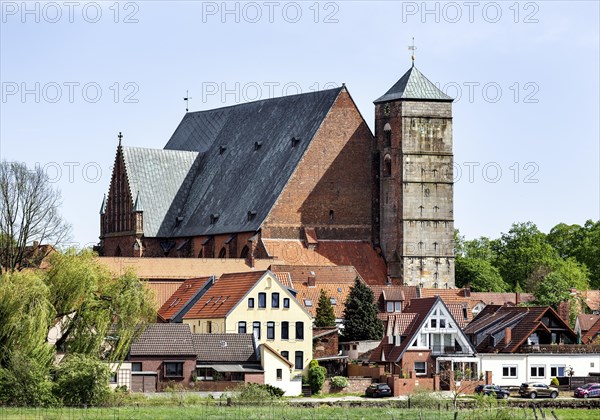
(245, 251)
(118, 251)
(387, 134)
(426, 192)
(223, 253)
(331, 215)
(387, 166)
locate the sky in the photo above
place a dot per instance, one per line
(524, 75)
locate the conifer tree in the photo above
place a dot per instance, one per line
(360, 314)
(325, 316)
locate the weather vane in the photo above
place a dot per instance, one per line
(120, 136)
(412, 48)
(187, 101)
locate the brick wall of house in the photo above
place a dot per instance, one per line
(153, 364)
(410, 357)
(325, 346)
(334, 175)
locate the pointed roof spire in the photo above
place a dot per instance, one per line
(120, 136)
(103, 205)
(413, 85)
(412, 48)
(137, 207)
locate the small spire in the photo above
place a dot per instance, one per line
(187, 101)
(137, 207)
(412, 48)
(103, 205)
(120, 136)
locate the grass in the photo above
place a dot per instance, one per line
(279, 411)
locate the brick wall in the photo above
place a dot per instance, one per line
(374, 372)
(334, 174)
(152, 364)
(406, 386)
(410, 357)
(325, 346)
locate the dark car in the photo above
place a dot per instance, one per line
(587, 391)
(378, 390)
(492, 390)
(536, 389)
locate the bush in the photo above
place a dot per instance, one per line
(554, 382)
(82, 380)
(423, 398)
(316, 376)
(254, 393)
(339, 382)
(274, 391)
(25, 381)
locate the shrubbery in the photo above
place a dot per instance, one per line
(256, 393)
(554, 382)
(25, 382)
(82, 380)
(316, 376)
(339, 382)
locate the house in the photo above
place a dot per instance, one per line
(183, 299)
(585, 323)
(163, 354)
(425, 340)
(120, 375)
(308, 281)
(256, 303)
(592, 335)
(520, 344)
(393, 298)
(271, 179)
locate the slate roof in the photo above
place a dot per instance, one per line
(336, 281)
(182, 296)
(413, 85)
(155, 177)
(359, 254)
(225, 293)
(523, 321)
(245, 158)
(164, 340)
(238, 348)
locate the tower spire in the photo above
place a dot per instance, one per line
(187, 101)
(412, 48)
(120, 136)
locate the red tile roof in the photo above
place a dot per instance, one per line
(592, 299)
(592, 333)
(394, 293)
(493, 298)
(586, 321)
(181, 297)
(311, 236)
(223, 295)
(162, 290)
(359, 254)
(336, 281)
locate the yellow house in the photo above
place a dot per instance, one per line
(258, 303)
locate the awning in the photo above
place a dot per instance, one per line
(331, 358)
(232, 368)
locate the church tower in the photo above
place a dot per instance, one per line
(414, 182)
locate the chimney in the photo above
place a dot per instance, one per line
(517, 298)
(312, 279)
(468, 290)
(507, 335)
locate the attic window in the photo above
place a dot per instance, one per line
(251, 215)
(214, 218)
(308, 303)
(222, 149)
(178, 220)
(333, 301)
(257, 145)
(295, 141)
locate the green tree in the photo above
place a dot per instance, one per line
(325, 316)
(480, 274)
(316, 376)
(552, 290)
(82, 380)
(25, 381)
(520, 251)
(360, 314)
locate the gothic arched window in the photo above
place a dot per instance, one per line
(245, 251)
(387, 166)
(223, 253)
(387, 135)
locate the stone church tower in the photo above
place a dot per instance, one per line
(414, 182)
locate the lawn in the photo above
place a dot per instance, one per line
(281, 412)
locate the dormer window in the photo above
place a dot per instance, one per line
(214, 218)
(178, 220)
(251, 215)
(222, 149)
(295, 141)
(257, 145)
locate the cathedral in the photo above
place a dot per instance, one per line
(299, 178)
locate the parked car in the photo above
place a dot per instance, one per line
(492, 390)
(587, 391)
(378, 390)
(536, 389)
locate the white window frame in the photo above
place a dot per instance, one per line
(537, 367)
(509, 367)
(420, 373)
(557, 367)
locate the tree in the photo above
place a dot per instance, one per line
(316, 376)
(325, 316)
(360, 314)
(28, 211)
(552, 290)
(82, 380)
(480, 274)
(520, 251)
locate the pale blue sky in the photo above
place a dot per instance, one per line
(546, 64)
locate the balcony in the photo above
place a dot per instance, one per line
(561, 348)
(447, 350)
